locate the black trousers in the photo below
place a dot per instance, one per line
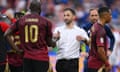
(2, 68)
(35, 66)
(64, 65)
(92, 70)
(15, 69)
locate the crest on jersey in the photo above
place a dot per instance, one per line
(102, 40)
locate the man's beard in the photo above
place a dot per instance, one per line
(94, 21)
(68, 22)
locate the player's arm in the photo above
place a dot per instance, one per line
(100, 48)
(49, 41)
(102, 55)
(111, 36)
(85, 38)
(8, 35)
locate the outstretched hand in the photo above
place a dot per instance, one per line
(56, 36)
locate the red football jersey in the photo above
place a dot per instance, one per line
(98, 38)
(34, 30)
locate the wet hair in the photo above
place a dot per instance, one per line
(103, 10)
(71, 10)
(35, 7)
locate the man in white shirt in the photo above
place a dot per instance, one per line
(68, 39)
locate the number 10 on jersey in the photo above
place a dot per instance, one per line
(31, 33)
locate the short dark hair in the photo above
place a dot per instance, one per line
(102, 10)
(35, 7)
(71, 10)
(92, 10)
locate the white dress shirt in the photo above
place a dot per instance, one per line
(68, 46)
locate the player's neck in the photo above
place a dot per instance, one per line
(70, 26)
(102, 21)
